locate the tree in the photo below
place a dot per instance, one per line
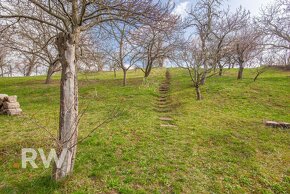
(274, 23)
(35, 42)
(200, 53)
(121, 51)
(5, 68)
(70, 19)
(190, 57)
(246, 46)
(157, 42)
(201, 17)
(3, 64)
(224, 28)
(264, 61)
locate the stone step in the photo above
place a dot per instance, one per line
(161, 106)
(168, 125)
(165, 119)
(162, 99)
(163, 95)
(163, 110)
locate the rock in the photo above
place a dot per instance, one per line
(271, 123)
(11, 105)
(10, 98)
(277, 124)
(2, 96)
(12, 112)
(284, 125)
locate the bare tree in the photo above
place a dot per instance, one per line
(246, 46)
(274, 23)
(264, 61)
(201, 17)
(190, 57)
(35, 42)
(5, 66)
(156, 42)
(70, 18)
(121, 51)
(2, 62)
(224, 27)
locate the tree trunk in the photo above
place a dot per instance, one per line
(29, 69)
(2, 71)
(198, 93)
(220, 70)
(161, 62)
(2, 66)
(124, 77)
(148, 69)
(49, 74)
(146, 75)
(256, 77)
(68, 120)
(115, 73)
(203, 78)
(241, 70)
(10, 71)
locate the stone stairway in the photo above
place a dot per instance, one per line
(163, 104)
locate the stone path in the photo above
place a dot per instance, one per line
(163, 104)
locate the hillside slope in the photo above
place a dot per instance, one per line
(220, 143)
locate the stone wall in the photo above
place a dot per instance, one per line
(9, 105)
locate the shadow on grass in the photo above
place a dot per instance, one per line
(44, 184)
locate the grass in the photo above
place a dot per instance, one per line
(220, 145)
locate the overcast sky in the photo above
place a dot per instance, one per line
(252, 5)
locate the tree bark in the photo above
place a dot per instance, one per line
(220, 70)
(10, 71)
(115, 73)
(124, 77)
(2, 71)
(68, 120)
(30, 67)
(49, 74)
(148, 69)
(256, 77)
(1, 66)
(198, 93)
(29, 71)
(161, 62)
(203, 78)
(241, 70)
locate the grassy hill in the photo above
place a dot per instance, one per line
(220, 144)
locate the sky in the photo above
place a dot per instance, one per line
(253, 6)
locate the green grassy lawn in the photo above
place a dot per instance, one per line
(220, 145)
